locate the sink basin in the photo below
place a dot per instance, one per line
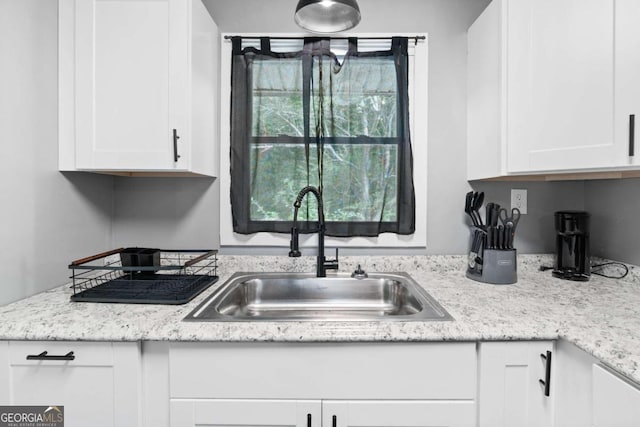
(293, 296)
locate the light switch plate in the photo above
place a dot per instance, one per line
(519, 200)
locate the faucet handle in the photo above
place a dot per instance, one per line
(332, 264)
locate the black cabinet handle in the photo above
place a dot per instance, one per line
(45, 356)
(546, 383)
(334, 423)
(176, 156)
(308, 420)
(632, 134)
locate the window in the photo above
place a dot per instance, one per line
(322, 112)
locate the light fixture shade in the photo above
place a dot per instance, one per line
(327, 16)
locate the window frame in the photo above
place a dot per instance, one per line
(418, 127)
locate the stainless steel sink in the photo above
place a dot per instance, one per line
(289, 296)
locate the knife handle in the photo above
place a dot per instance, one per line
(508, 232)
(500, 237)
(494, 216)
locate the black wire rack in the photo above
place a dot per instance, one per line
(143, 276)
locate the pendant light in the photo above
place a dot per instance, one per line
(327, 16)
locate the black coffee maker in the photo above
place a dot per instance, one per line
(572, 246)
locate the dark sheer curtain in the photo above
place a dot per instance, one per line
(326, 115)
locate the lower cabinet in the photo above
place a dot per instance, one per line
(616, 402)
(404, 384)
(98, 383)
(573, 385)
(398, 413)
(322, 384)
(588, 394)
(246, 413)
(316, 413)
(514, 380)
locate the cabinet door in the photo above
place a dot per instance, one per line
(485, 116)
(560, 96)
(627, 64)
(130, 83)
(245, 413)
(390, 413)
(616, 403)
(99, 388)
(510, 393)
(572, 385)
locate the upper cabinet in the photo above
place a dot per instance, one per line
(138, 87)
(552, 87)
(627, 83)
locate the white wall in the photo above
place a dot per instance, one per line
(536, 230)
(615, 214)
(166, 213)
(47, 219)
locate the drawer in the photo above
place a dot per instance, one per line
(100, 387)
(323, 370)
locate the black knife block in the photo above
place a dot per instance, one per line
(499, 267)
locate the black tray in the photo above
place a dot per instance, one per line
(148, 288)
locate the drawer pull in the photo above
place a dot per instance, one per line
(308, 420)
(546, 383)
(176, 156)
(45, 356)
(632, 136)
(335, 421)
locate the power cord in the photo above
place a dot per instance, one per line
(600, 267)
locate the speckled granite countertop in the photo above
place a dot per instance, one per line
(601, 316)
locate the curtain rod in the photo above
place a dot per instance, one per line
(416, 38)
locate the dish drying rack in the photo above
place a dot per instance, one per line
(142, 275)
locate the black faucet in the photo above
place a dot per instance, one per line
(322, 264)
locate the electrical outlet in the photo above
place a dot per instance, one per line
(519, 200)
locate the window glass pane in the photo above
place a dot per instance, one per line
(278, 173)
(277, 98)
(357, 181)
(363, 98)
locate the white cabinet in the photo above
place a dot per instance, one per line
(616, 403)
(137, 86)
(99, 384)
(249, 413)
(361, 384)
(560, 81)
(378, 413)
(586, 394)
(374, 371)
(627, 84)
(551, 86)
(451, 384)
(573, 385)
(316, 413)
(510, 392)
